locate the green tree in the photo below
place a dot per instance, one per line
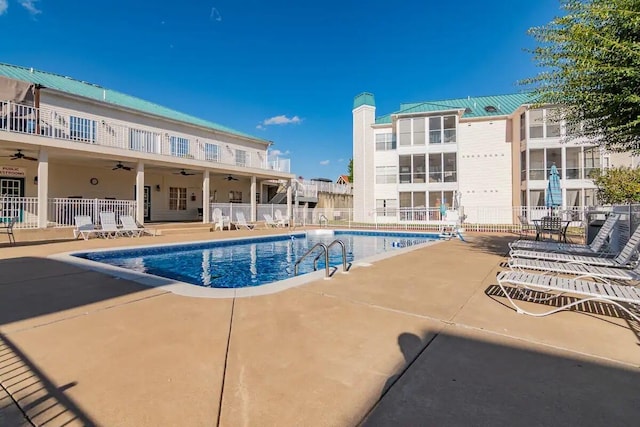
(618, 185)
(350, 170)
(591, 66)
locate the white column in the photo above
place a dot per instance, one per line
(43, 188)
(206, 204)
(140, 192)
(253, 198)
(289, 200)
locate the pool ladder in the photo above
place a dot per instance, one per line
(325, 252)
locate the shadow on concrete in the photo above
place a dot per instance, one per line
(28, 243)
(458, 381)
(589, 308)
(490, 243)
(40, 401)
(31, 287)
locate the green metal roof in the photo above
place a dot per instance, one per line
(365, 98)
(101, 94)
(474, 106)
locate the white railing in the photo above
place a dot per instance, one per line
(310, 188)
(24, 209)
(231, 209)
(62, 211)
(97, 130)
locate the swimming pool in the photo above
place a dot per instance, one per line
(252, 262)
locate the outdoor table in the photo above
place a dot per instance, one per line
(552, 226)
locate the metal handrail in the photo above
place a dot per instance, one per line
(344, 254)
(326, 257)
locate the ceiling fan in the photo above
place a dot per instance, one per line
(121, 166)
(230, 178)
(20, 155)
(183, 173)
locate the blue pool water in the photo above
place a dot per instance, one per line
(252, 262)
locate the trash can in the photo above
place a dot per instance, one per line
(595, 220)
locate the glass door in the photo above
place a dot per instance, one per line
(11, 189)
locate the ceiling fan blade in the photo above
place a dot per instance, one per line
(33, 159)
(116, 168)
(127, 168)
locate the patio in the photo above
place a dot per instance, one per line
(420, 339)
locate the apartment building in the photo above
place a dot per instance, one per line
(489, 154)
(70, 147)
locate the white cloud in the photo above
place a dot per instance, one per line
(340, 160)
(281, 120)
(324, 162)
(30, 5)
(260, 127)
(4, 5)
(279, 153)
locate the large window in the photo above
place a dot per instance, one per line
(81, 129)
(177, 199)
(537, 198)
(536, 165)
(418, 131)
(386, 207)
(442, 129)
(572, 170)
(142, 140)
(404, 129)
(544, 123)
(385, 142)
(554, 157)
(442, 167)
(435, 126)
(552, 123)
(386, 174)
(413, 206)
(404, 165)
(178, 146)
(449, 126)
(523, 127)
(523, 165)
(536, 124)
(241, 158)
(211, 152)
(591, 161)
(412, 168)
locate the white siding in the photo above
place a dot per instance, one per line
(363, 163)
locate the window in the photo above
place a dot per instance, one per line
(523, 165)
(450, 167)
(435, 167)
(536, 165)
(552, 123)
(179, 147)
(591, 161)
(177, 199)
(82, 129)
(523, 127)
(536, 124)
(449, 129)
(142, 140)
(435, 126)
(404, 163)
(443, 167)
(554, 157)
(386, 207)
(211, 152)
(386, 174)
(573, 198)
(241, 158)
(235, 196)
(573, 163)
(413, 206)
(537, 197)
(404, 128)
(418, 131)
(590, 197)
(419, 168)
(385, 142)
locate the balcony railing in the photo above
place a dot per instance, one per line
(308, 188)
(97, 130)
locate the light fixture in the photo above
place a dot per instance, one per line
(157, 187)
(35, 180)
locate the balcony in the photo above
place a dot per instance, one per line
(87, 129)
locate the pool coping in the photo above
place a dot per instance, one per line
(190, 290)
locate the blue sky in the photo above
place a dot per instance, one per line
(281, 70)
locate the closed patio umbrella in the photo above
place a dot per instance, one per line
(554, 192)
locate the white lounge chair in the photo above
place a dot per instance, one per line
(554, 286)
(269, 222)
(622, 260)
(131, 227)
(85, 227)
(242, 222)
(597, 247)
(220, 221)
(280, 219)
(108, 225)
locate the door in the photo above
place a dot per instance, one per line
(146, 203)
(10, 206)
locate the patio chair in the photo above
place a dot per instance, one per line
(280, 219)
(597, 247)
(108, 225)
(220, 221)
(526, 229)
(242, 222)
(269, 222)
(622, 260)
(85, 228)
(131, 227)
(7, 228)
(552, 287)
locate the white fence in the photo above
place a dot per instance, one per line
(98, 130)
(61, 211)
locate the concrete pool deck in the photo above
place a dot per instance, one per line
(419, 339)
